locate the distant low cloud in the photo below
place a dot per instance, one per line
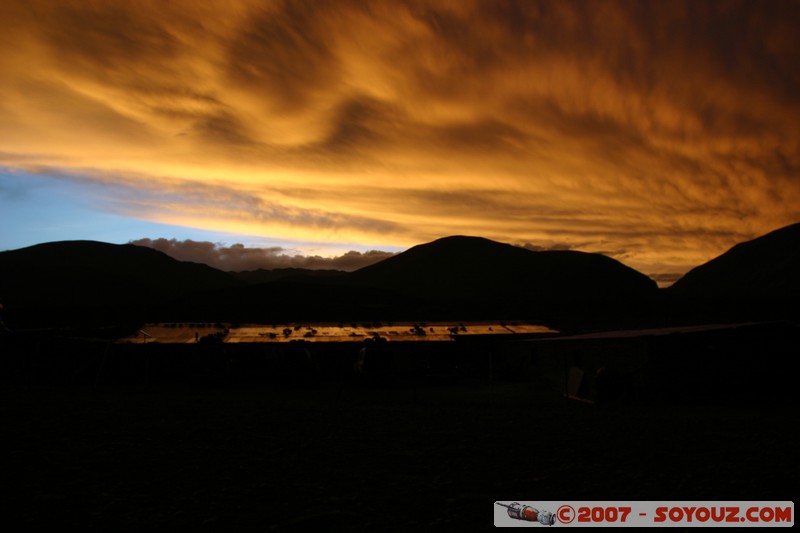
(544, 248)
(665, 279)
(237, 257)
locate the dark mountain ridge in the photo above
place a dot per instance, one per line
(459, 265)
(754, 280)
(262, 275)
(765, 267)
(487, 279)
(62, 282)
(453, 278)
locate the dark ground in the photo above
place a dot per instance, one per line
(261, 458)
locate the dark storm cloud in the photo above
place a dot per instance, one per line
(539, 248)
(286, 51)
(237, 257)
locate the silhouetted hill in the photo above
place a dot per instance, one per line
(766, 267)
(496, 277)
(460, 278)
(754, 279)
(76, 281)
(452, 278)
(262, 275)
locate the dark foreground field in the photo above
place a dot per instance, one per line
(357, 457)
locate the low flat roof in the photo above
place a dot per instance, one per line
(276, 333)
(650, 332)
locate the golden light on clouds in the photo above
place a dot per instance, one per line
(660, 133)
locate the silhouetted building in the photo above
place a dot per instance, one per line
(729, 362)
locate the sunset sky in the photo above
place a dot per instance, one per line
(658, 132)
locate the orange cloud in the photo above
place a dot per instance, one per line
(658, 132)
